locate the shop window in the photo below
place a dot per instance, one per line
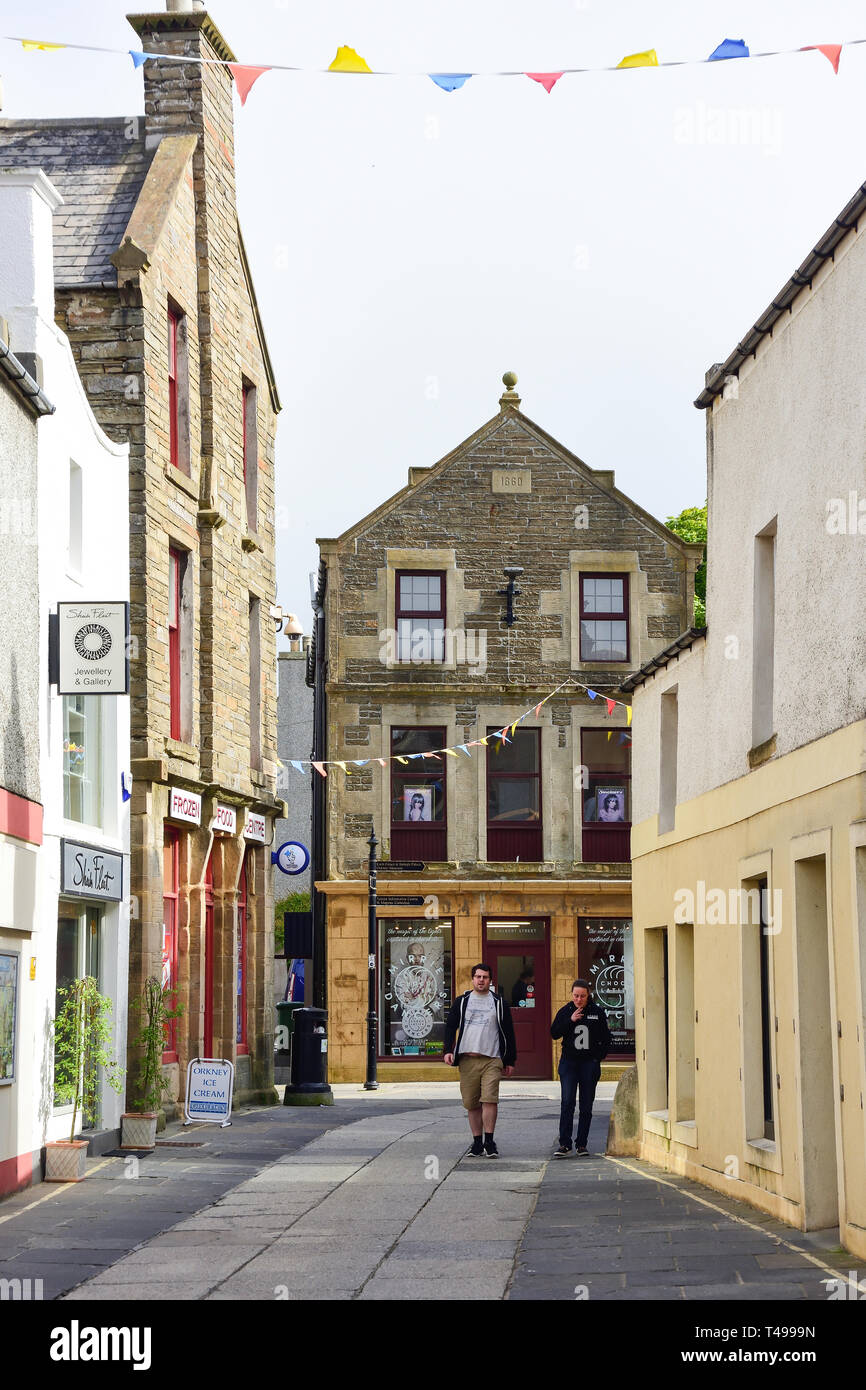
(606, 794)
(79, 929)
(420, 616)
(170, 902)
(605, 957)
(243, 922)
(418, 808)
(82, 758)
(415, 986)
(514, 829)
(604, 617)
(251, 454)
(657, 1026)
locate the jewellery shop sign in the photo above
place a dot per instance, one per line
(93, 648)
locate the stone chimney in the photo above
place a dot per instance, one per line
(27, 204)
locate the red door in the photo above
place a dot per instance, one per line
(207, 1041)
(521, 972)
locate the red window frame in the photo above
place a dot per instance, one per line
(170, 902)
(173, 421)
(619, 617)
(509, 840)
(242, 911)
(175, 580)
(604, 842)
(207, 1040)
(426, 840)
(408, 615)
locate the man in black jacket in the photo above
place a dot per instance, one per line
(582, 1025)
(485, 1051)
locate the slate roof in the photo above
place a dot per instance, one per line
(98, 170)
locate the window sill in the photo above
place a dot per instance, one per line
(657, 1122)
(210, 516)
(258, 778)
(764, 1153)
(176, 748)
(250, 542)
(685, 1132)
(182, 480)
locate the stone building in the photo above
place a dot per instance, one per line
(154, 290)
(525, 841)
(749, 841)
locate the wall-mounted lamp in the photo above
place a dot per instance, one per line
(509, 593)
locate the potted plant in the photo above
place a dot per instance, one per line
(155, 1011)
(82, 1054)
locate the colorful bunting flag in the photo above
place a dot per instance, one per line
(339, 763)
(299, 767)
(137, 58)
(611, 705)
(347, 60)
(244, 77)
(360, 762)
(628, 714)
(609, 735)
(538, 707)
(591, 693)
(450, 752)
(649, 59)
(548, 80)
(320, 769)
(729, 48)
(381, 762)
(831, 51)
(32, 45)
(464, 749)
(449, 81)
(402, 760)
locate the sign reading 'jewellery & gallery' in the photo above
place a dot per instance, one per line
(93, 648)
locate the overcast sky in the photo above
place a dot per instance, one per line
(608, 242)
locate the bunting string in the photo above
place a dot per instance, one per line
(348, 61)
(505, 735)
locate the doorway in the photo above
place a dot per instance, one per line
(79, 931)
(518, 953)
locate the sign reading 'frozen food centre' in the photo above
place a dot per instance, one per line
(93, 651)
(184, 806)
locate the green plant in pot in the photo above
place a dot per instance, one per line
(156, 1010)
(83, 1055)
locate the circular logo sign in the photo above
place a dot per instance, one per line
(610, 986)
(292, 857)
(93, 642)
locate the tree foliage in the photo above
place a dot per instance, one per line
(691, 526)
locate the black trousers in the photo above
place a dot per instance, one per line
(583, 1077)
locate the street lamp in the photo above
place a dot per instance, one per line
(509, 593)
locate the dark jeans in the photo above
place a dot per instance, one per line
(575, 1075)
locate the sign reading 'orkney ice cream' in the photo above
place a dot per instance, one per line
(93, 648)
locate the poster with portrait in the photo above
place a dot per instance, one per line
(8, 1014)
(605, 957)
(418, 803)
(610, 803)
(414, 984)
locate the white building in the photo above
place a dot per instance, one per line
(76, 919)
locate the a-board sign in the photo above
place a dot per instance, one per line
(209, 1086)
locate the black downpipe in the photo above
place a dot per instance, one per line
(318, 828)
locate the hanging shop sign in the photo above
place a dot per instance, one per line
(184, 806)
(292, 857)
(88, 871)
(254, 827)
(209, 1086)
(93, 648)
(225, 820)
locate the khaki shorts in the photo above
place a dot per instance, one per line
(479, 1080)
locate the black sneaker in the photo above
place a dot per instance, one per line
(563, 1151)
(582, 1153)
(490, 1148)
(476, 1148)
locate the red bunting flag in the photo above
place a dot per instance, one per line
(538, 707)
(244, 78)
(831, 51)
(320, 768)
(611, 705)
(548, 80)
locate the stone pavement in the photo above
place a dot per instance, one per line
(373, 1199)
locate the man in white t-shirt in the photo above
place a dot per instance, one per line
(485, 1051)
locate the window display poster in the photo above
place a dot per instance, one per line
(606, 958)
(610, 803)
(415, 986)
(8, 1014)
(418, 803)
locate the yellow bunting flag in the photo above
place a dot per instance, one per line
(347, 60)
(32, 44)
(640, 60)
(514, 726)
(609, 733)
(342, 765)
(450, 752)
(628, 714)
(484, 741)
(402, 760)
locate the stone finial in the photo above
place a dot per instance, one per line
(509, 398)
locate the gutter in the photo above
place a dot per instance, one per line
(657, 663)
(25, 384)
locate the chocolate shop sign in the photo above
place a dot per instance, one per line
(92, 648)
(90, 872)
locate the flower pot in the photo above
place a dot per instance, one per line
(65, 1160)
(138, 1130)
